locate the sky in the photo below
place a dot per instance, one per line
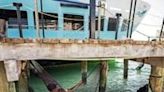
(153, 18)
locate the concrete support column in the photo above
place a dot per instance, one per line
(103, 76)
(126, 69)
(156, 79)
(5, 86)
(3, 78)
(13, 79)
(2, 28)
(84, 71)
(22, 83)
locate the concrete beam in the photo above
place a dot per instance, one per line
(155, 61)
(21, 49)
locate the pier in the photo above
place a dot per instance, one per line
(16, 51)
(72, 31)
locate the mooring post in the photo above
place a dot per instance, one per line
(126, 68)
(156, 79)
(103, 76)
(84, 71)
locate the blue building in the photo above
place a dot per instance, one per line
(60, 20)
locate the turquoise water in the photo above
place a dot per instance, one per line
(69, 75)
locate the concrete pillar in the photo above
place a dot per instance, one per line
(12, 87)
(10, 81)
(3, 78)
(156, 79)
(22, 83)
(2, 28)
(5, 86)
(125, 69)
(103, 76)
(84, 71)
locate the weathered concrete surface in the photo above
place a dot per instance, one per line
(20, 49)
(155, 61)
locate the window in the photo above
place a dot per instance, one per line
(73, 22)
(50, 21)
(112, 24)
(102, 23)
(124, 25)
(11, 16)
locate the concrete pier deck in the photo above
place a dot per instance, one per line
(32, 49)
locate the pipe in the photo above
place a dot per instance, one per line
(37, 18)
(134, 11)
(129, 19)
(42, 18)
(161, 31)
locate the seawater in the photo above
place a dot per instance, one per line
(70, 75)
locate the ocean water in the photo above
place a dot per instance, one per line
(70, 75)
